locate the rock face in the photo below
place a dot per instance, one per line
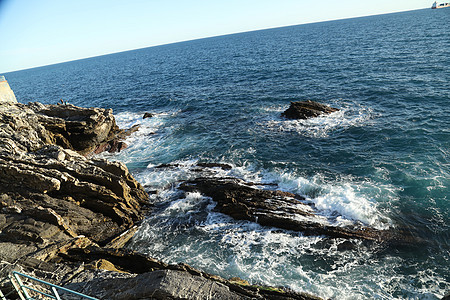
(284, 210)
(65, 217)
(157, 280)
(83, 130)
(307, 109)
(54, 197)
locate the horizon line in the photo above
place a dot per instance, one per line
(205, 37)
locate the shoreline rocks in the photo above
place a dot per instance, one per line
(307, 109)
(65, 216)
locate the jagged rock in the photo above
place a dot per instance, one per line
(115, 143)
(147, 115)
(157, 280)
(162, 284)
(284, 210)
(307, 109)
(93, 197)
(50, 194)
(85, 130)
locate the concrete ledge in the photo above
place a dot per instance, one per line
(6, 94)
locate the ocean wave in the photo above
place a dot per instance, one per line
(342, 203)
(181, 232)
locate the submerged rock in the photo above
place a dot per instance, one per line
(307, 109)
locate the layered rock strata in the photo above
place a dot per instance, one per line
(243, 201)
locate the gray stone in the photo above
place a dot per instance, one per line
(161, 284)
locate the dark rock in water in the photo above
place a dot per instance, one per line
(147, 115)
(284, 210)
(307, 109)
(201, 166)
(225, 167)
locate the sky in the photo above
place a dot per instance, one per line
(38, 33)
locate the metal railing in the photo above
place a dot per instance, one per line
(51, 290)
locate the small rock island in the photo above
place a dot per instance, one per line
(302, 110)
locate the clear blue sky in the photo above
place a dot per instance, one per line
(36, 33)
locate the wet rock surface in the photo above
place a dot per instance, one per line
(65, 217)
(245, 201)
(307, 109)
(157, 280)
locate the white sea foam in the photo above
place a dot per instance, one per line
(146, 135)
(189, 230)
(341, 202)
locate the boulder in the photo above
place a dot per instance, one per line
(307, 109)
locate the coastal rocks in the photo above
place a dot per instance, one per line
(55, 194)
(64, 217)
(174, 284)
(54, 198)
(157, 280)
(307, 109)
(284, 210)
(84, 130)
(162, 284)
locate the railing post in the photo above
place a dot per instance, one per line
(55, 293)
(2, 297)
(22, 287)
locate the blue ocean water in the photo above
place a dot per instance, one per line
(383, 159)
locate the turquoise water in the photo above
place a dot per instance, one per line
(383, 159)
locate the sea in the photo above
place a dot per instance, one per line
(383, 159)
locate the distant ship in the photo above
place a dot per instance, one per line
(441, 5)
